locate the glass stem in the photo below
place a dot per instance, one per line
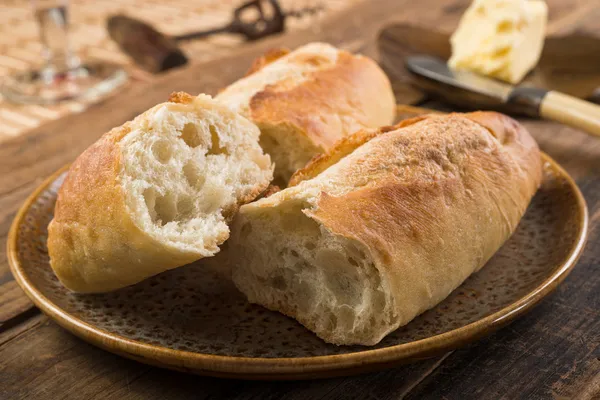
(53, 23)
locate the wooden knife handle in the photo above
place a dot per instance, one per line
(571, 111)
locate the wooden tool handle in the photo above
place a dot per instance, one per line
(571, 111)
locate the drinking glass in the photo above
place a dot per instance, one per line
(62, 76)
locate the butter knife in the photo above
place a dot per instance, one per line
(475, 91)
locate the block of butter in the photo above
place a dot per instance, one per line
(502, 39)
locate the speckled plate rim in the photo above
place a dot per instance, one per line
(295, 367)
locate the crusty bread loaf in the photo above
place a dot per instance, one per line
(155, 194)
(387, 224)
(306, 100)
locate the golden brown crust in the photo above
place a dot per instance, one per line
(181, 98)
(267, 58)
(429, 202)
(94, 189)
(503, 128)
(317, 106)
(342, 148)
(313, 97)
(456, 197)
(496, 123)
(93, 242)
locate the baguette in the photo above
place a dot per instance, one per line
(155, 194)
(306, 100)
(387, 224)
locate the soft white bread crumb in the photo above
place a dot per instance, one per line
(387, 224)
(287, 261)
(155, 194)
(294, 265)
(185, 171)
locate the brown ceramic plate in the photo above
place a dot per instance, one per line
(192, 320)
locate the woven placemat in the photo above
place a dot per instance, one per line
(20, 47)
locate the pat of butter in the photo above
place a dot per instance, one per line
(502, 39)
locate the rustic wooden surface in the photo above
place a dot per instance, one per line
(553, 352)
(20, 46)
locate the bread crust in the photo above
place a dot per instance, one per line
(330, 102)
(430, 200)
(355, 88)
(452, 222)
(93, 243)
(92, 237)
(267, 58)
(341, 149)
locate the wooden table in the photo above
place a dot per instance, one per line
(553, 352)
(20, 46)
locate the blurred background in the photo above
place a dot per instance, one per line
(85, 25)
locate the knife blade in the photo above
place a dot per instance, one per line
(471, 90)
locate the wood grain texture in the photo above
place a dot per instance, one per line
(12, 304)
(47, 360)
(554, 352)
